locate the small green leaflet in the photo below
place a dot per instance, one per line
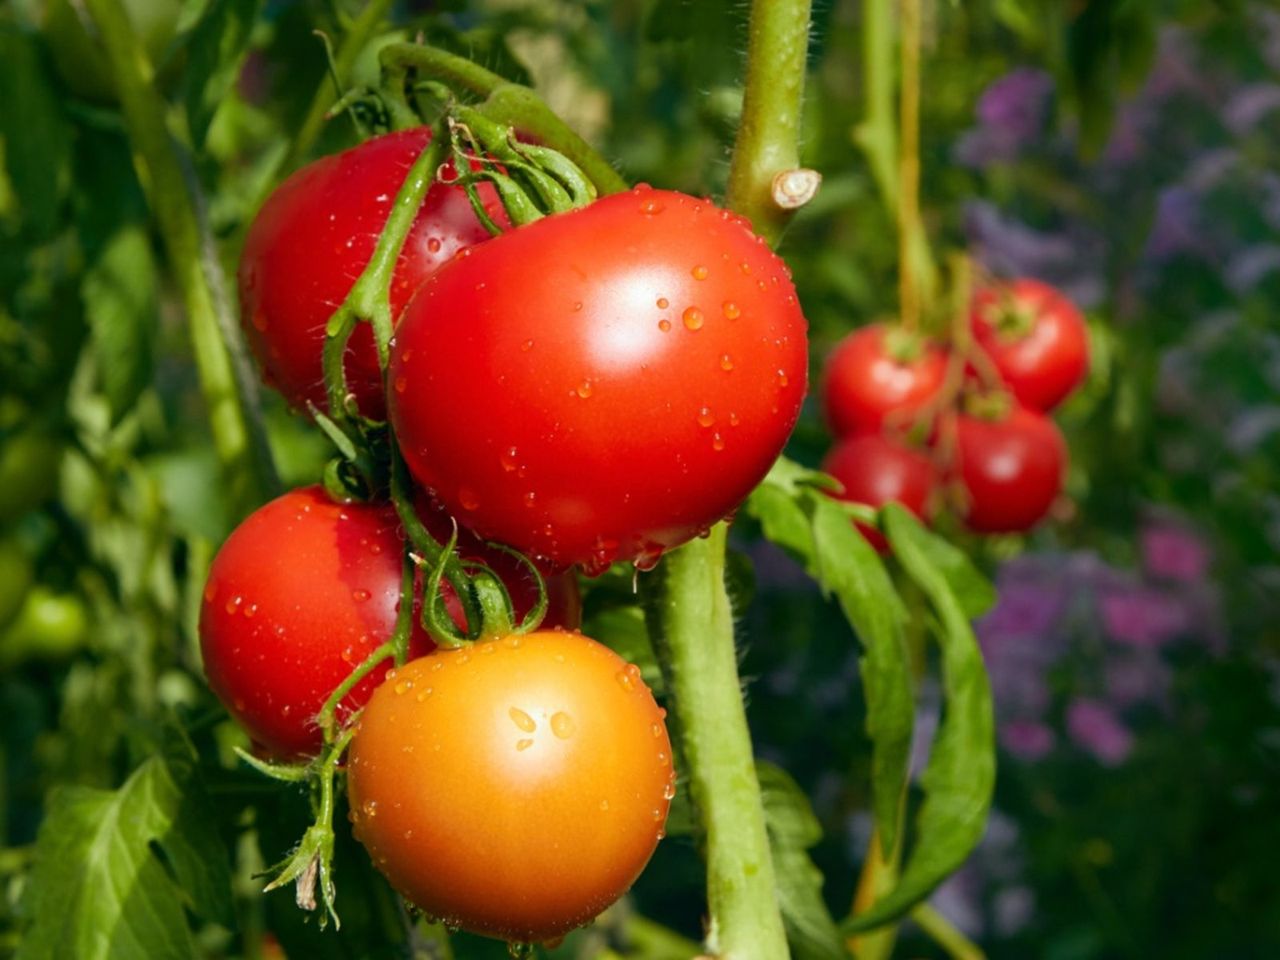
(116, 871)
(793, 829)
(119, 293)
(960, 775)
(219, 43)
(798, 516)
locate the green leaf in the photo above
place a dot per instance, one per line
(116, 871)
(120, 303)
(972, 590)
(793, 829)
(798, 516)
(37, 137)
(218, 46)
(960, 775)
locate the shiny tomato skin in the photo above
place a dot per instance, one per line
(603, 384)
(875, 470)
(866, 386)
(515, 788)
(311, 241)
(1011, 469)
(299, 594)
(1036, 339)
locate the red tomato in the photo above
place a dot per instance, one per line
(1011, 469)
(876, 470)
(602, 384)
(303, 591)
(515, 788)
(313, 238)
(878, 376)
(1036, 339)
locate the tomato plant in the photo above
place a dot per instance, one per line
(569, 387)
(878, 376)
(314, 236)
(875, 470)
(1011, 469)
(514, 788)
(1036, 339)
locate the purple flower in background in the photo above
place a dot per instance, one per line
(1013, 910)
(1070, 260)
(1268, 23)
(1249, 105)
(1095, 728)
(1017, 104)
(1171, 551)
(1176, 228)
(1142, 616)
(1012, 113)
(1028, 740)
(1251, 266)
(1136, 679)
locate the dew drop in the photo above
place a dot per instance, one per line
(669, 791)
(604, 804)
(625, 680)
(233, 604)
(209, 592)
(360, 596)
(524, 744)
(648, 557)
(726, 363)
(663, 759)
(693, 318)
(657, 815)
(522, 720)
(513, 642)
(433, 244)
(663, 303)
(705, 419)
(664, 324)
(526, 346)
(508, 459)
(467, 497)
(370, 808)
(530, 499)
(655, 729)
(423, 694)
(731, 310)
(584, 389)
(733, 419)
(746, 267)
(402, 384)
(251, 610)
(782, 378)
(403, 686)
(717, 442)
(699, 272)
(651, 208)
(562, 725)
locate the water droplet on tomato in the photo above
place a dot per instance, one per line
(669, 791)
(626, 681)
(693, 318)
(733, 419)
(403, 686)
(251, 610)
(530, 499)
(577, 306)
(664, 324)
(233, 604)
(563, 725)
(657, 815)
(584, 389)
(423, 694)
(655, 729)
(508, 459)
(467, 497)
(746, 267)
(433, 244)
(522, 720)
(604, 804)
(524, 744)
(717, 442)
(782, 378)
(513, 642)
(731, 310)
(402, 383)
(370, 808)
(209, 592)
(663, 303)
(705, 419)
(360, 596)
(651, 208)
(726, 363)
(699, 272)
(648, 557)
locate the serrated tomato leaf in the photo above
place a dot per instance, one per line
(116, 871)
(793, 829)
(960, 775)
(797, 515)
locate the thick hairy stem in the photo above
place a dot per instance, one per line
(238, 435)
(768, 137)
(692, 626)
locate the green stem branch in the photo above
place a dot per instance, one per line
(768, 136)
(692, 626)
(945, 934)
(238, 434)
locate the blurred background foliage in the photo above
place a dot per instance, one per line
(1128, 152)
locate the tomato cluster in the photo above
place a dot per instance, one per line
(915, 420)
(599, 385)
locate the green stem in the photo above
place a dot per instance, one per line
(879, 876)
(362, 30)
(507, 103)
(909, 229)
(877, 134)
(945, 935)
(692, 627)
(768, 136)
(238, 435)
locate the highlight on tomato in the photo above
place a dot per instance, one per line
(880, 377)
(603, 384)
(1011, 468)
(313, 238)
(513, 788)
